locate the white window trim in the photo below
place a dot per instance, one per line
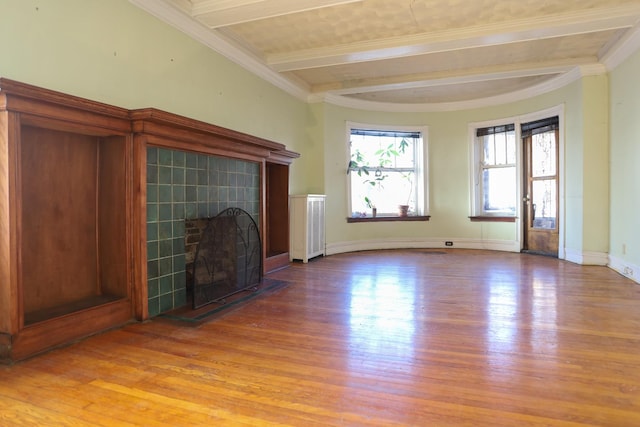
(476, 155)
(474, 201)
(422, 162)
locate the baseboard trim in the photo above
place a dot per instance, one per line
(586, 258)
(619, 265)
(625, 268)
(432, 243)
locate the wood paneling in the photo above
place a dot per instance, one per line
(138, 228)
(59, 210)
(73, 209)
(63, 329)
(277, 200)
(376, 338)
(64, 185)
(276, 262)
(112, 217)
(8, 315)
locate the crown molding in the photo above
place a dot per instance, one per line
(553, 84)
(166, 12)
(624, 48)
(444, 78)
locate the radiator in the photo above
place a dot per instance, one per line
(307, 226)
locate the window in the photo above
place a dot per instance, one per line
(495, 171)
(386, 171)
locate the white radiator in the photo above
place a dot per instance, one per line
(306, 220)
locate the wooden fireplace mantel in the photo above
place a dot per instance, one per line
(73, 210)
(162, 126)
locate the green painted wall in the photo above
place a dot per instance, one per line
(625, 161)
(595, 167)
(574, 176)
(586, 145)
(307, 172)
(113, 52)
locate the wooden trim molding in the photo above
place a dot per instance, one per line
(283, 157)
(157, 122)
(493, 218)
(25, 98)
(390, 218)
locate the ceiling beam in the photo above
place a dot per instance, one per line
(576, 22)
(442, 78)
(222, 13)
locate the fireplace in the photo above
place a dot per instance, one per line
(223, 256)
(183, 186)
(91, 269)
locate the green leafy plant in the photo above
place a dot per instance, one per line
(374, 175)
(369, 202)
(403, 146)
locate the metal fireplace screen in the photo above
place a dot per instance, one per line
(228, 259)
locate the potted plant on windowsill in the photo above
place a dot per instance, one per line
(403, 210)
(357, 164)
(372, 206)
(374, 171)
(376, 184)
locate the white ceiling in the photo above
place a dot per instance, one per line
(412, 53)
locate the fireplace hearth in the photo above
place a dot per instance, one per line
(228, 257)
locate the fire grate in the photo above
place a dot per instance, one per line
(228, 258)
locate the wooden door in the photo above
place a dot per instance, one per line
(540, 195)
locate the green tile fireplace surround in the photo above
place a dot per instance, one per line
(183, 185)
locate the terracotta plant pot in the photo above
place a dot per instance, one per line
(403, 210)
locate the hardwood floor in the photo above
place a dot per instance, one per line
(418, 338)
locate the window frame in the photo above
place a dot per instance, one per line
(477, 168)
(420, 167)
(474, 198)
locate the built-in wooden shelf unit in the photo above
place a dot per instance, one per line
(73, 210)
(65, 196)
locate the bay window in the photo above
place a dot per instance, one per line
(386, 171)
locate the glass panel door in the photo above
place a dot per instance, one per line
(541, 192)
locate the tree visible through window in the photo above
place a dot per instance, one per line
(385, 171)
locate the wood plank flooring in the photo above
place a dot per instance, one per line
(383, 338)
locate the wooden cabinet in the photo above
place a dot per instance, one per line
(276, 234)
(307, 226)
(64, 202)
(73, 210)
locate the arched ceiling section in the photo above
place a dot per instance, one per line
(411, 52)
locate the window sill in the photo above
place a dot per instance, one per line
(389, 218)
(492, 218)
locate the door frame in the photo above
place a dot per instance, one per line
(528, 205)
(553, 111)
